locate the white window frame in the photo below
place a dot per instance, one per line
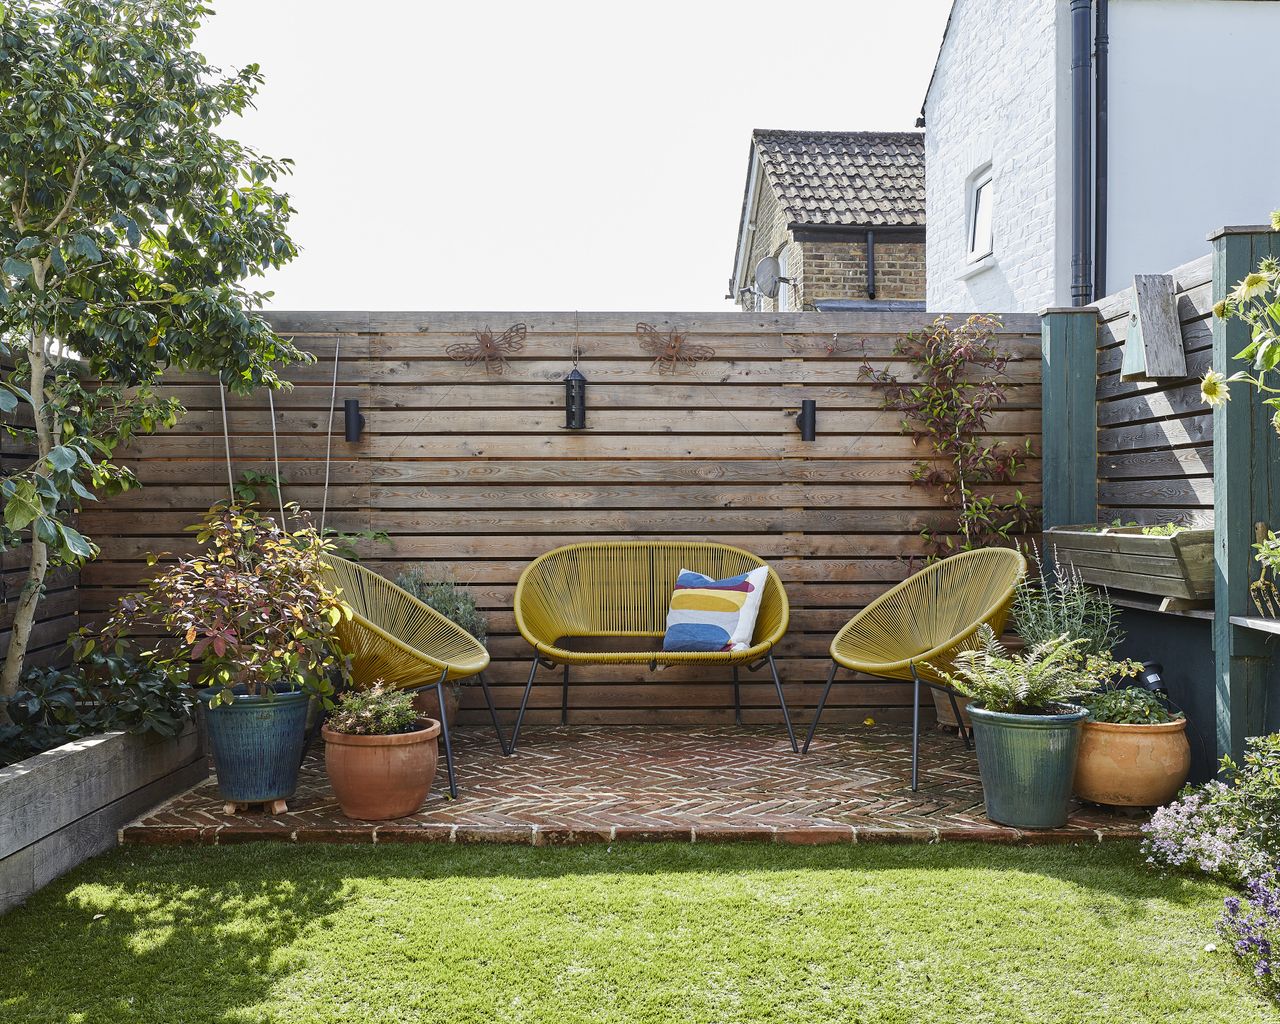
(783, 301)
(981, 179)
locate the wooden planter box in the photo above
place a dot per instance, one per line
(66, 805)
(1124, 558)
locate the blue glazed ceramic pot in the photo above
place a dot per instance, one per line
(257, 745)
(1027, 763)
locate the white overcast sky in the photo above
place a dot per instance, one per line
(546, 155)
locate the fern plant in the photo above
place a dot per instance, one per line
(1038, 681)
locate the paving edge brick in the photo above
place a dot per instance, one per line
(538, 835)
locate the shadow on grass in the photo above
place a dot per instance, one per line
(208, 934)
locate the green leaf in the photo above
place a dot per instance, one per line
(8, 400)
(84, 245)
(63, 459)
(17, 268)
(77, 543)
(22, 509)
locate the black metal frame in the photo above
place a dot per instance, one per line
(564, 698)
(438, 685)
(915, 718)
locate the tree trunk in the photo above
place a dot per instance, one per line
(24, 613)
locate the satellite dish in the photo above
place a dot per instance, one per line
(768, 277)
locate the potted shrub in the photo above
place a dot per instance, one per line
(1133, 750)
(380, 756)
(254, 618)
(1025, 724)
(456, 603)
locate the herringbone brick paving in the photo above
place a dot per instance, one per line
(607, 783)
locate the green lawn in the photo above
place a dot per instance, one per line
(748, 933)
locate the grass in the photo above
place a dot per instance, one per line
(690, 934)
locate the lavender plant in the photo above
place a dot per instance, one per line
(1252, 925)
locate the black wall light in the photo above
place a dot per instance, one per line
(807, 419)
(575, 400)
(354, 420)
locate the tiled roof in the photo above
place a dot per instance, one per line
(872, 179)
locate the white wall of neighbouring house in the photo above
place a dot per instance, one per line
(1193, 127)
(998, 99)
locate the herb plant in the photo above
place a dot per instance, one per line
(1129, 705)
(1252, 926)
(252, 611)
(1052, 603)
(958, 382)
(377, 711)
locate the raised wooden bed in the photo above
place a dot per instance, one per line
(1179, 566)
(66, 805)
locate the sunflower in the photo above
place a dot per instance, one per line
(1214, 389)
(1275, 220)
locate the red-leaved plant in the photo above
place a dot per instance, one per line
(252, 611)
(959, 379)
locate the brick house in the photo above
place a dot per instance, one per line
(843, 212)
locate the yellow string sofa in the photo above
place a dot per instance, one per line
(622, 590)
(920, 625)
(406, 643)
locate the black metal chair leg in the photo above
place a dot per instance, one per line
(444, 731)
(915, 733)
(493, 713)
(564, 698)
(786, 715)
(955, 710)
(737, 698)
(524, 703)
(826, 692)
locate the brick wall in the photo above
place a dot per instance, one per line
(997, 98)
(831, 270)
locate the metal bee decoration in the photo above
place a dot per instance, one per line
(491, 351)
(671, 351)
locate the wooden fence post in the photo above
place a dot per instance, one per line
(1246, 491)
(1069, 418)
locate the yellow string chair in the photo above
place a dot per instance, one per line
(394, 637)
(622, 589)
(921, 624)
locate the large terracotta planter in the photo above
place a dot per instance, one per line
(1132, 765)
(380, 777)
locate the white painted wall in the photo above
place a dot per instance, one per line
(1193, 127)
(997, 96)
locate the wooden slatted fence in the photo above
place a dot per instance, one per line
(473, 474)
(1155, 439)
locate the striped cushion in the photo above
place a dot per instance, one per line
(714, 615)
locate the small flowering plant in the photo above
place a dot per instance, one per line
(377, 711)
(1229, 828)
(1251, 923)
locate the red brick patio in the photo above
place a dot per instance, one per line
(612, 783)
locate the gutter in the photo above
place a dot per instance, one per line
(1081, 153)
(1100, 47)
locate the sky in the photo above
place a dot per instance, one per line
(548, 155)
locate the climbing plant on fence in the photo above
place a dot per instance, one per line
(131, 227)
(958, 380)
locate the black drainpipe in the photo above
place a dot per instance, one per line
(1100, 152)
(1082, 153)
(871, 264)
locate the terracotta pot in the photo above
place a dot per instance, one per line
(425, 703)
(1132, 765)
(381, 777)
(942, 705)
